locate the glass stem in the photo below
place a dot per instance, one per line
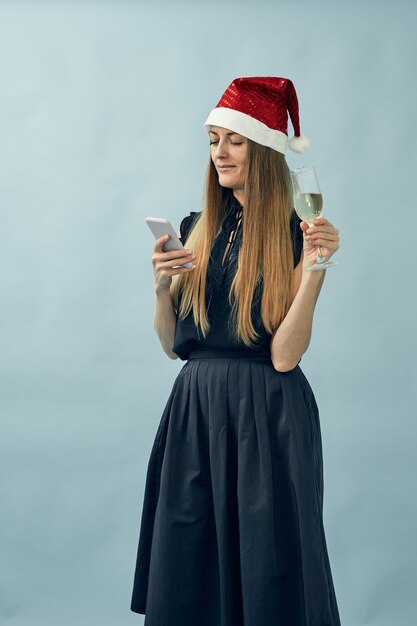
(320, 257)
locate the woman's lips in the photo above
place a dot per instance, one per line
(225, 168)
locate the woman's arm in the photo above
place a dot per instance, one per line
(165, 319)
(165, 314)
(292, 337)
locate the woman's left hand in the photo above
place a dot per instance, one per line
(322, 234)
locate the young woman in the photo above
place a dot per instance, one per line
(232, 523)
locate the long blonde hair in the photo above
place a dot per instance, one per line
(265, 253)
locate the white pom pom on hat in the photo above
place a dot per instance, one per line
(257, 107)
(298, 144)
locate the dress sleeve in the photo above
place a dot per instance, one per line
(296, 237)
(186, 225)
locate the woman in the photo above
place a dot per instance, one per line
(232, 531)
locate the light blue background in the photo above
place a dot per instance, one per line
(101, 113)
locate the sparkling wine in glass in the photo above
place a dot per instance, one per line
(308, 204)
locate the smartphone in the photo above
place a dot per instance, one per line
(161, 226)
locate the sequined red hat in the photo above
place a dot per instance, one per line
(256, 107)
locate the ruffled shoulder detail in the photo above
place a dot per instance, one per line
(187, 224)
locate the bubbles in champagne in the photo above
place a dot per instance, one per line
(308, 206)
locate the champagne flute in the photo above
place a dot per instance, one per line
(308, 204)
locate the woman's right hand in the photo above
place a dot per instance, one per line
(163, 261)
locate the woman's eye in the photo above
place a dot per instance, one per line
(233, 143)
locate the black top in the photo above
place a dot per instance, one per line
(219, 278)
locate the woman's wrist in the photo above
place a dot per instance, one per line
(312, 273)
(162, 291)
(312, 279)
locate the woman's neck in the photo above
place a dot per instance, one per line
(238, 195)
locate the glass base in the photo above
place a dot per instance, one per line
(321, 266)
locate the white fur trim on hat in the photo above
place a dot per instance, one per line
(247, 126)
(298, 144)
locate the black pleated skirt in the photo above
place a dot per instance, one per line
(232, 520)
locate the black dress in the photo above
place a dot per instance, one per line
(232, 521)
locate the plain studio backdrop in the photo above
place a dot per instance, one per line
(102, 106)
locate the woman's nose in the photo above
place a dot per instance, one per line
(222, 149)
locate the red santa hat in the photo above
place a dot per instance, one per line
(256, 108)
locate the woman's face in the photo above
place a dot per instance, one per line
(228, 152)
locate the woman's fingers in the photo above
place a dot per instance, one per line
(172, 254)
(163, 262)
(321, 220)
(160, 243)
(329, 243)
(177, 270)
(321, 233)
(175, 254)
(178, 261)
(183, 255)
(322, 228)
(164, 258)
(324, 236)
